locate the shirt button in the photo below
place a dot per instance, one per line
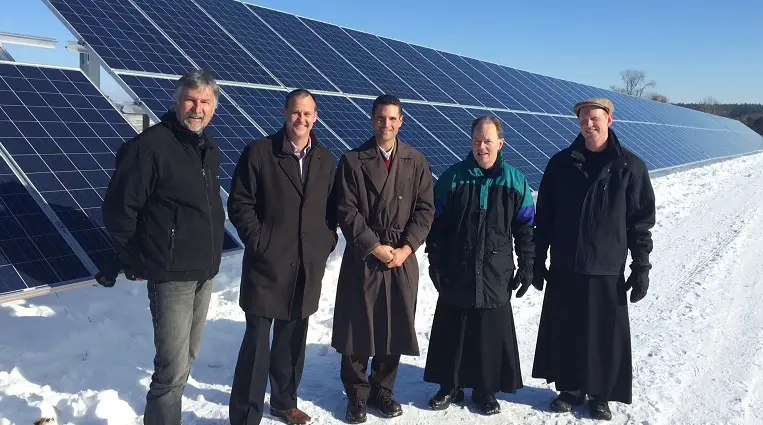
(304, 234)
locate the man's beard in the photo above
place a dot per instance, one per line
(193, 126)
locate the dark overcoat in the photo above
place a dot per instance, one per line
(375, 306)
(286, 224)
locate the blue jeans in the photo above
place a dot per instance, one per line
(179, 312)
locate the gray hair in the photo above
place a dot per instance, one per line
(196, 79)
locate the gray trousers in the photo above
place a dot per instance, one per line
(179, 312)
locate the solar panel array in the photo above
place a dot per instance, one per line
(59, 134)
(58, 139)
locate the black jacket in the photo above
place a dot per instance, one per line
(590, 224)
(478, 216)
(163, 208)
(286, 225)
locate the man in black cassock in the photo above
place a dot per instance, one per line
(595, 203)
(482, 204)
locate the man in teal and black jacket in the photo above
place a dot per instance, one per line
(482, 205)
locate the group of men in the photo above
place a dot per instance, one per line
(164, 212)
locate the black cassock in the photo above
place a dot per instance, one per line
(584, 338)
(474, 348)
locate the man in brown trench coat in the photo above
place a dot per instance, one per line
(386, 208)
(280, 204)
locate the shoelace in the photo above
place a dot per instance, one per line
(385, 396)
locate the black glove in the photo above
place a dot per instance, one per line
(638, 283)
(522, 280)
(540, 272)
(107, 276)
(434, 274)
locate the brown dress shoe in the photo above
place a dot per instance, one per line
(293, 416)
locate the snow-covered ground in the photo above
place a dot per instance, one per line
(86, 354)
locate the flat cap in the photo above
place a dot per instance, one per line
(599, 102)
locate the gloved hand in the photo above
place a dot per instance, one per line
(434, 274)
(107, 275)
(522, 280)
(638, 283)
(540, 273)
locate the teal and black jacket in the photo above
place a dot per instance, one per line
(478, 215)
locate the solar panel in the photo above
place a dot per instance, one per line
(204, 41)
(320, 54)
(369, 65)
(32, 251)
(63, 138)
(120, 35)
(230, 128)
(266, 45)
(446, 82)
(423, 85)
(464, 79)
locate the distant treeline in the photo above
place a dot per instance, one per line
(751, 114)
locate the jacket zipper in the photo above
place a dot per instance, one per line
(172, 237)
(209, 205)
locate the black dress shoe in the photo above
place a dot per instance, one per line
(356, 411)
(382, 400)
(444, 398)
(599, 409)
(566, 401)
(487, 403)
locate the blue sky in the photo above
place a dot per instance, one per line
(692, 49)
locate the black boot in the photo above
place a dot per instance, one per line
(566, 401)
(486, 402)
(444, 398)
(381, 399)
(599, 409)
(356, 411)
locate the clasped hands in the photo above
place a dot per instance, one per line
(392, 257)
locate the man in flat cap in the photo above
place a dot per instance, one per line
(595, 203)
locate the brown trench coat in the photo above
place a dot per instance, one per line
(376, 306)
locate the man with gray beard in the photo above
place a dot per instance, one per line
(165, 216)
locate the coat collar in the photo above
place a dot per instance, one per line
(370, 149)
(284, 152)
(184, 135)
(614, 149)
(476, 171)
(373, 162)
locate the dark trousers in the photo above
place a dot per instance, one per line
(353, 374)
(283, 362)
(178, 312)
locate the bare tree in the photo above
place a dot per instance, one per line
(634, 82)
(658, 97)
(709, 104)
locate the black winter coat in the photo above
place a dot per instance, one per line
(590, 224)
(163, 208)
(479, 214)
(287, 225)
